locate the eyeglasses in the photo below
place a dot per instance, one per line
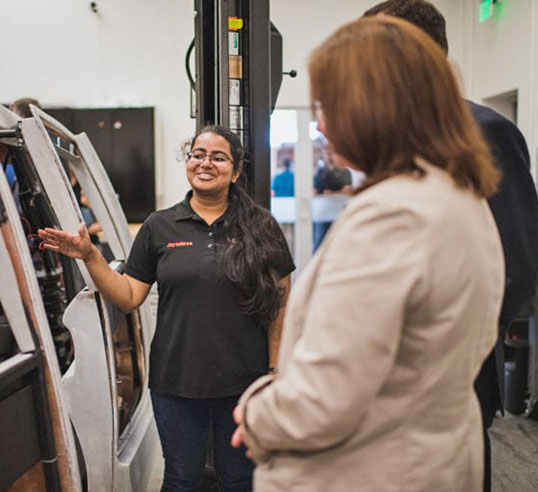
(317, 110)
(199, 157)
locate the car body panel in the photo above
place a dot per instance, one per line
(111, 348)
(63, 433)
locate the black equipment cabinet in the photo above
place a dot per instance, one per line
(25, 423)
(238, 76)
(125, 142)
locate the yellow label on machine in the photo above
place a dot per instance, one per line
(235, 23)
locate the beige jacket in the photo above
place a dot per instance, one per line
(385, 333)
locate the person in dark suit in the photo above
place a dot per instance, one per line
(514, 207)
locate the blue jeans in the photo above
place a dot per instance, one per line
(183, 426)
(320, 230)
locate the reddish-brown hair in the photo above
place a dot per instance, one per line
(389, 95)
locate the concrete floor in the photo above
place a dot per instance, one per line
(514, 443)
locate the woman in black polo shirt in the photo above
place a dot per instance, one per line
(222, 268)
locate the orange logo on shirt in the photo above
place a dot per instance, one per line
(179, 244)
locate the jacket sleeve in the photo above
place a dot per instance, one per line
(515, 208)
(350, 338)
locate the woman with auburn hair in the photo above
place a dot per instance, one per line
(386, 330)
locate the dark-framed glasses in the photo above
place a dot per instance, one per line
(200, 157)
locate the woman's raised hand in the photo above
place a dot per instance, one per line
(72, 245)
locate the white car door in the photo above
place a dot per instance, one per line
(37, 449)
(128, 338)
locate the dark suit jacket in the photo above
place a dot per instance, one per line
(515, 208)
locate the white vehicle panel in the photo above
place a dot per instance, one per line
(55, 183)
(87, 387)
(118, 451)
(44, 332)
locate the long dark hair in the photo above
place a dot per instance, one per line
(254, 250)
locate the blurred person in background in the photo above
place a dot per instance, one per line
(284, 182)
(514, 207)
(22, 106)
(329, 179)
(377, 362)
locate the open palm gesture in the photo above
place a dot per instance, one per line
(72, 245)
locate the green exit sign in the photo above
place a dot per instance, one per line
(486, 10)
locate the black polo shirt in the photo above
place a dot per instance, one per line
(204, 346)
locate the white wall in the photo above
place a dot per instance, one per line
(490, 58)
(501, 58)
(130, 53)
(306, 23)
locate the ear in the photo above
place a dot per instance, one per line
(236, 175)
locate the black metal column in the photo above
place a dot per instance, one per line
(259, 75)
(204, 31)
(249, 113)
